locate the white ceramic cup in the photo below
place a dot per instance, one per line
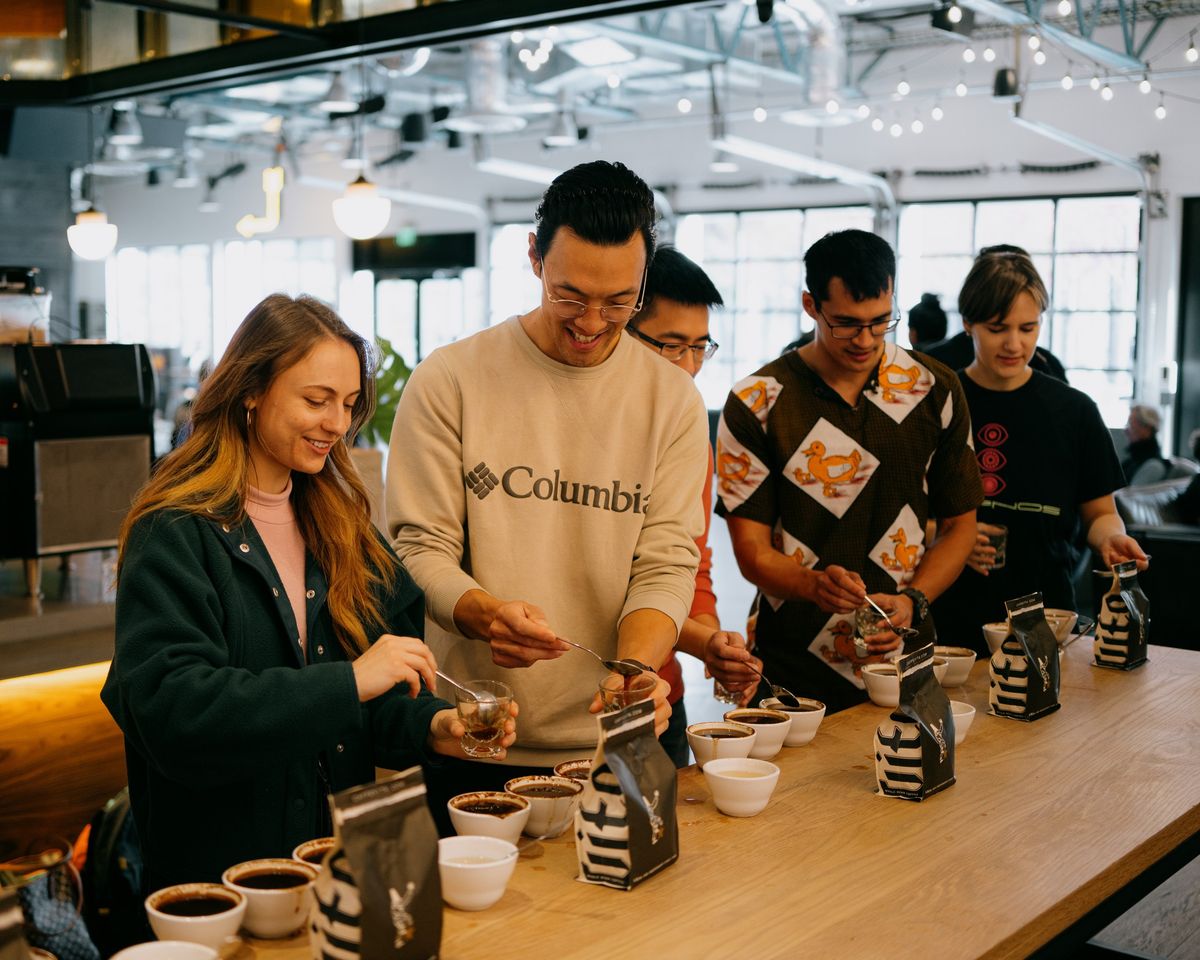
(805, 719)
(474, 870)
(964, 716)
(165, 950)
(313, 852)
(548, 815)
(741, 787)
(211, 930)
(960, 660)
(883, 683)
(770, 736)
(273, 911)
(502, 826)
(706, 747)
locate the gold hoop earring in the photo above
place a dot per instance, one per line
(249, 410)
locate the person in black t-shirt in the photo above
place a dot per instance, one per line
(1045, 456)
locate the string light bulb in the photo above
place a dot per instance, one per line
(832, 107)
(684, 105)
(969, 55)
(1106, 92)
(1094, 83)
(1161, 110)
(1068, 81)
(917, 126)
(896, 130)
(1034, 41)
(1039, 57)
(863, 111)
(904, 88)
(760, 114)
(1191, 54)
(937, 112)
(989, 54)
(954, 13)
(1145, 86)
(1064, 8)
(960, 89)
(877, 124)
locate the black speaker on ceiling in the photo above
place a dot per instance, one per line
(765, 9)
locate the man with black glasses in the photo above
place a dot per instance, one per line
(544, 480)
(830, 460)
(674, 323)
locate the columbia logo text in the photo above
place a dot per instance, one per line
(481, 481)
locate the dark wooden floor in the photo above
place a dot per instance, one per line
(1165, 925)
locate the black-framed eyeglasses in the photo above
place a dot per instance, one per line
(675, 351)
(848, 331)
(609, 312)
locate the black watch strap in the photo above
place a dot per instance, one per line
(920, 604)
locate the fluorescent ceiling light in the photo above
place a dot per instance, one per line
(598, 52)
(516, 170)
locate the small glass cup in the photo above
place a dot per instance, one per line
(999, 540)
(484, 719)
(616, 694)
(722, 695)
(866, 624)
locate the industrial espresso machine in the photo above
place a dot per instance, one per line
(76, 443)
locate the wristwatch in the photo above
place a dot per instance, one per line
(920, 604)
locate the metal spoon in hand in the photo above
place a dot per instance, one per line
(487, 704)
(622, 667)
(782, 694)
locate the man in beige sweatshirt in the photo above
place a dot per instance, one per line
(544, 480)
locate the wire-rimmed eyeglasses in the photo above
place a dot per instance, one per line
(566, 309)
(848, 331)
(675, 351)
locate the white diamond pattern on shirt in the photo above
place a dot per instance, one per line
(900, 549)
(759, 394)
(903, 383)
(789, 546)
(831, 467)
(739, 472)
(834, 646)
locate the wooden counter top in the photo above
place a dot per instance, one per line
(1047, 820)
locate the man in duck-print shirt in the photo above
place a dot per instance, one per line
(830, 460)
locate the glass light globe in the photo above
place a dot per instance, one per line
(361, 213)
(92, 237)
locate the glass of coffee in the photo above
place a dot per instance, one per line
(999, 540)
(482, 707)
(618, 692)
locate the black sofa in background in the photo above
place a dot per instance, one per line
(1172, 583)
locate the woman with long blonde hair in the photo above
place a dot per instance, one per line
(268, 644)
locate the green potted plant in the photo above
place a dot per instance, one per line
(389, 384)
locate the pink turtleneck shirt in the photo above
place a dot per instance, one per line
(276, 524)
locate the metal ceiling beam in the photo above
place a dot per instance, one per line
(279, 56)
(1017, 17)
(221, 16)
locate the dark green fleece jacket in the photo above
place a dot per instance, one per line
(233, 738)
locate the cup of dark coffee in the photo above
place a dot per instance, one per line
(206, 913)
(278, 894)
(771, 727)
(313, 851)
(552, 802)
(575, 769)
(489, 813)
(711, 740)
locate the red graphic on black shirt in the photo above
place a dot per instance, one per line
(991, 460)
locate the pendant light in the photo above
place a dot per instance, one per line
(91, 237)
(360, 212)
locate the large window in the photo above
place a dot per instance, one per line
(1086, 251)
(755, 260)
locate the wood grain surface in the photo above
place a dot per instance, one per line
(1047, 819)
(61, 756)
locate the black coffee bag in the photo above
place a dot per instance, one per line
(914, 748)
(1023, 673)
(625, 826)
(1123, 626)
(378, 895)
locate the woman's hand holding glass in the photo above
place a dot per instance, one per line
(983, 554)
(726, 659)
(662, 709)
(446, 733)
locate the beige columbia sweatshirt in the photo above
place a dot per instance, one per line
(576, 489)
